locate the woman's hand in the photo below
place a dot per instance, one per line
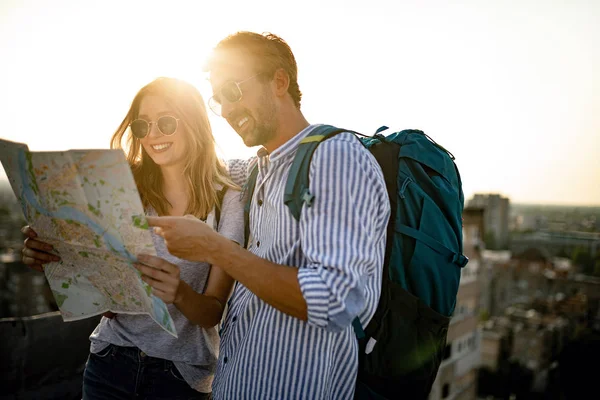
(162, 276)
(35, 252)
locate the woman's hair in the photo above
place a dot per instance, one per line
(204, 173)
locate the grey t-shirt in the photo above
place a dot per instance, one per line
(196, 350)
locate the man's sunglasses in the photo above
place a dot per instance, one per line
(230, 91)
(166, 125)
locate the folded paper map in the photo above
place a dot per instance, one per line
(85, 203)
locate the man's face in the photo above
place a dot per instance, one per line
(248, 104)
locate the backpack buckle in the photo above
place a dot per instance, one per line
(307, 197)
(460, 260)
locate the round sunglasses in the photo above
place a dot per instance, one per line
(167, 125)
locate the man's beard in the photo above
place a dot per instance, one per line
(265, 124)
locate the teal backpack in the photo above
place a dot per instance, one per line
(401, 348)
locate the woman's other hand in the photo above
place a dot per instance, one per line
(162, 276)
(36, 253)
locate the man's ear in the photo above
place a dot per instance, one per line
(281, 80)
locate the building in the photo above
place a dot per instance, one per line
(556, 242)
(496, 219)
(457, 376)
(536, 304)
(519, 353)
(534, 276)
(496, 343)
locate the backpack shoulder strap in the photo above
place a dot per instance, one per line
(219, 205)
(296, 187)
(248, 191)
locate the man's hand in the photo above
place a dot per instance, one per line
(191, 239)
(187, 237)
(35, 252)
(162, 276)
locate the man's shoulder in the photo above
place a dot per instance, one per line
(345, 144)
(346, 151)
(239, 169)
(240, 163)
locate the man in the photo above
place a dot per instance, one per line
(288, 332)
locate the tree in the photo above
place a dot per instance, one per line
(597, 268)
(484, 315)
(583, 259)
(490, 240)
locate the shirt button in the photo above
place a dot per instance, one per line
(142, 354)
(225, 360)
(233, 319)
(258, 244)
(260, 202)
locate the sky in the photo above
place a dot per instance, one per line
(511, 88)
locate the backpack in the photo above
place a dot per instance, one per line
(401, 348)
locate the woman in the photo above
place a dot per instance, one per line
(172, 155)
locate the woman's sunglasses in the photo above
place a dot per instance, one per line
(166, 125)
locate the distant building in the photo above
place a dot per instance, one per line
(496, 343)
(457, 376)
(523, 342)
(556, 242)
(534, 275)
(538, 339)
(536, 302)
(496, 219)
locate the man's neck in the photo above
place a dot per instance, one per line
(290, 124)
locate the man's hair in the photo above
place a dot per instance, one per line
(269, 52)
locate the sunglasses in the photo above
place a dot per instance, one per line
(230, 91)
(166, 125)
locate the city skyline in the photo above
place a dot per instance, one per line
(509, 89)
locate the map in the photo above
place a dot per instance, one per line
(86, 205)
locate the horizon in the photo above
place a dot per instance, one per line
(5, 184)
(509, 89)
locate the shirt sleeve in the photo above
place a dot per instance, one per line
(231, 224)
(240, 169)
(343, 233)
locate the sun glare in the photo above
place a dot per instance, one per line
(513, 98)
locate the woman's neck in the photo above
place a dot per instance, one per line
(175, 190)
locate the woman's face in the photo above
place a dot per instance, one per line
(165, 151)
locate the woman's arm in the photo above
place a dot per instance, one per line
(205, 309)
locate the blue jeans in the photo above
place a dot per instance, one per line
(126, 373)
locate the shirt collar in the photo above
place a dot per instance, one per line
(288, 147)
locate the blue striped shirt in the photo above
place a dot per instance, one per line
(338, 246)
